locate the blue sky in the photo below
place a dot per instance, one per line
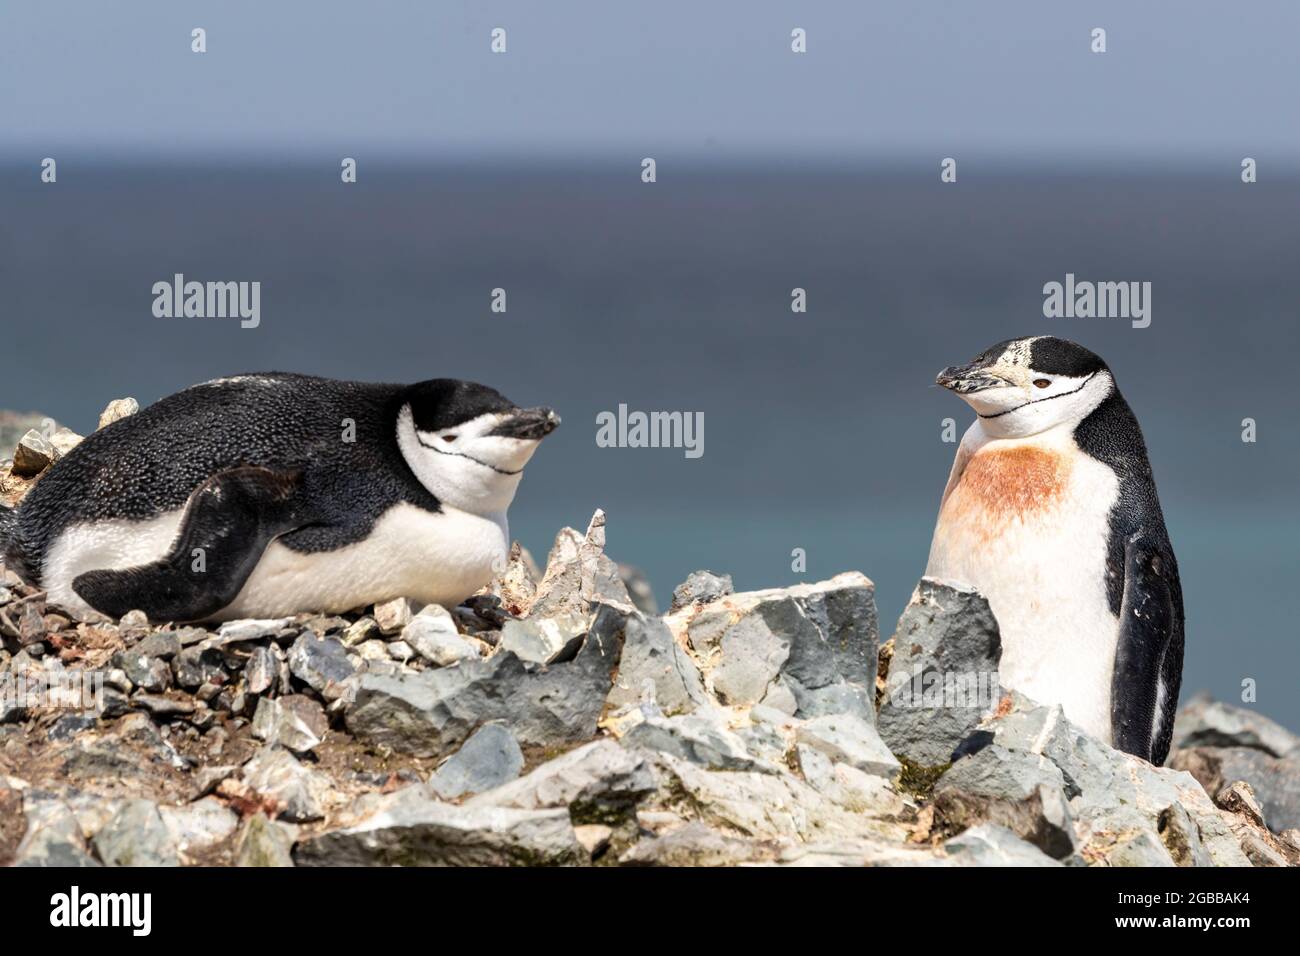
(1181, 81)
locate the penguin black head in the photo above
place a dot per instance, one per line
(1025, 386)
(468, 443)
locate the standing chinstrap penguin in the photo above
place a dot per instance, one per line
(269, 494)
(1051, 512)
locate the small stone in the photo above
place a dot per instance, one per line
(33, 455)
(432, 634)
(118, 409)
(238, 632)
(198, 665)
(701, 737)
(263, 843)
(296, 722)
(392, 616)
(150, 674)
(261, 671)
(359, 631)
(64, 440)
(400, 651)
(489, 758)
(321, 664)
(136, 836)
(276, 775)
(165, 707)
(701, 587)
(199, 826)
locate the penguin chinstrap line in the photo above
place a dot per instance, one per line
(1051, 513)
(271, 494)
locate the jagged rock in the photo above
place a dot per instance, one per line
(599, 782)
(830, 628)
(517, 584)
(261, 671)
(848, 739)
(1205, 722)
(427, 714)
(849, 787)
(152, 674)
(653, 663)
(64, 440)
(322, 664)
(14, 425)
(943, 674)
(33, 454)
(701, 737)
(432, 634)
(991, 845)
(274, 774)
(701, 587)
(409, 829)
(53, 838)
(199, 664)
(1111, 792)
(392, 616)
(1275, 782)
(489, 758)
(137, 836)
(1021, 791)
(544, 640)
(263, 843)
(296, 722)
(579, 576)
(116, 410)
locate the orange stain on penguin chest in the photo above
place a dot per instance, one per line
(1012, 481)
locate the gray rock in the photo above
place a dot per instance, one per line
(579, 576)
(752, 657)
(701, 737)
(261, 671)
(697, 844)
(53, 837)
(848, 739)
(1205, 722)
(991, 845)
(14, 425)
(599, 783)
(652, 661)
(151, 674)
(263, 843)
(432, 634)
(199, 664)
(701, 587)
(1021, 791)
(296, 722)
(33, 454)
(1275, 781)
(943, 676)
(274, 774)
(409, 829)
(401, 651)
(429, 713)
(322, 664)
(164, 707)
(544, 640)
(489, 758)
(163, 644)
(137, 836)
(250, 629)
(830, 628)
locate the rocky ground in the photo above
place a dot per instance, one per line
(557, 718)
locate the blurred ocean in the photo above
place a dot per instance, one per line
(822, 430)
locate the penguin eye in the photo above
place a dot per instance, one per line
(449, 438)
(1042, 382)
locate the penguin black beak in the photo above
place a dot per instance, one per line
(964, 379)
(530, 424)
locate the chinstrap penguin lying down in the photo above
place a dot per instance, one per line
(270, 494)
(1051, 512)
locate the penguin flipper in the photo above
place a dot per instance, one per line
(1150, 628)
(227, 525)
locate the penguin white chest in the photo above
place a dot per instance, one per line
(437, 558)
(1027, 524)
